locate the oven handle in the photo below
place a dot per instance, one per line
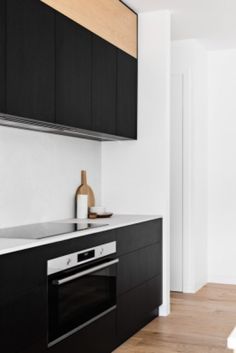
(84, 273)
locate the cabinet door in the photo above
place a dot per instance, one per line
(2, 54)
(29, 273)
(104, 86)
(73, 74)
(137, 307)
(126, 95)
(98, 337)
(138, 267)
(23, 321)
(30, 59)
(23, 301)
(139, 235)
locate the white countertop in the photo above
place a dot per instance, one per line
(116, 221)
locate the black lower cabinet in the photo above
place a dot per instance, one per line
(138, 267)
(23, 322)
(37, 347)
(139, 282)
(139, 236)
(24, 309)
(98, 337)
(21, 273)
(137, 307)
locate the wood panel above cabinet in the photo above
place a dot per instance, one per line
(109, 19)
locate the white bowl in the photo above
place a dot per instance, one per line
(98, 209)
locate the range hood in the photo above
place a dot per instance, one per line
(42, 126)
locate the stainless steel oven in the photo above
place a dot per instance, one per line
(81, 289)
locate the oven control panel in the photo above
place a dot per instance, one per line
(68, 261)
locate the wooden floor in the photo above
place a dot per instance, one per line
(199, 323)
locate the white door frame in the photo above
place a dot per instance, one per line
(187, 182)
(176, 187)
(186, 189)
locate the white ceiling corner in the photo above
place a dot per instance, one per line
(211, 21)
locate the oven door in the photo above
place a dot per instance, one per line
(79, 297)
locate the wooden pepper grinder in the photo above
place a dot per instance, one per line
(85, 189)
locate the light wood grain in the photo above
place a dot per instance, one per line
(109, 19)
(199, 323)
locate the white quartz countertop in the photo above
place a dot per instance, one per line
(116, 221)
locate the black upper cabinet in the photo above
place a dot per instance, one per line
(2, 54)
(73, 74)
(30, 59)
(126, 95)
(104, 86)
(54, 70)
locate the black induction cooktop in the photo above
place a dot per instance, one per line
(45, 230)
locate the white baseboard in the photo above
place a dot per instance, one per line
(222, 280)
(231, 342)
(164, 310)
(189, 290)
(195, 289)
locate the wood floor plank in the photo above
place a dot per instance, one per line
(199, 323)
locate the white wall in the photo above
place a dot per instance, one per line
(189, 59)
(222, 167)
(135, 175)
(39, 174)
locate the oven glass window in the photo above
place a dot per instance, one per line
(75, 303)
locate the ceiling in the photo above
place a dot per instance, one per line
(211, 21)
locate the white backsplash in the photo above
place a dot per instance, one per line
(39, 174)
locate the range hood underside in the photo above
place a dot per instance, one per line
(41, 126)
